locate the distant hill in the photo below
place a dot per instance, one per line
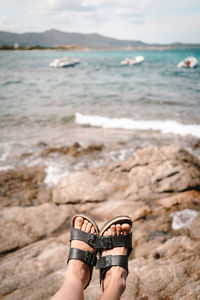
(55, 38)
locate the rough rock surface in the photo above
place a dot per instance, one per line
(23, 187)
(25, 225)
(147, 175)
(149, 187)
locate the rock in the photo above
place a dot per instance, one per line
(25, 225)
(148, 175)
(169, 169)
(82, 187)
(23, 187)
(190, 291)
(149, 187)
(189, 199)
(110, 209)
(74, 150)
(23, 273)
(173, 271)
(195, 228)
(197, 144)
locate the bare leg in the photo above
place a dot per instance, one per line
(114, 283)
(78, 273)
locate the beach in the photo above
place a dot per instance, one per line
(100, 139)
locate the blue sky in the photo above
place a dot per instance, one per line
(161, 21)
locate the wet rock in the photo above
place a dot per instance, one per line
(197, 144)
(75, 150)
(25, 225)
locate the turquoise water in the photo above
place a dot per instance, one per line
(99, 101)
(32, 93)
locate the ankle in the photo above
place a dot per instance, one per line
(79, 270)
(116, 278)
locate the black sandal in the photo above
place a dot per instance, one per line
(90, 239)
(104, 263)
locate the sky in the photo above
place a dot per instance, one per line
(159, 21)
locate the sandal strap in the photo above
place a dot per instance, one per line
(112, 260)
(86, 256)
(110, 242)
(88, 238)
(104, 263)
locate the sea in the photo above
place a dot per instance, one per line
(99, 101)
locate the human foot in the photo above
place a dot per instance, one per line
(82, 255)
(116, 241)
(116, 274)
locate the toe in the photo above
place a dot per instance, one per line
(84, 226)
(119, 229)
(78, 223)
(93, 230)
(126, 228)
(88, 228)
(113, 230)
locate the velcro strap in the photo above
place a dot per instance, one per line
(110, 242)
(80, 235)
(112, 260)
(86, 256)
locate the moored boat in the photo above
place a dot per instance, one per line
(188, 62)
(64, 62)
(133, 60)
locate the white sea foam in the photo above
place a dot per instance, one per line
(54, 174)
(123, 123)
(4, 156)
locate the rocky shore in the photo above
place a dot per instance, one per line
(158, 187)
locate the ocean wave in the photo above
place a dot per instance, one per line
(168, 126)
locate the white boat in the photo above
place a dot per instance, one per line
(64, 62)
(133, 60)
(188, 62)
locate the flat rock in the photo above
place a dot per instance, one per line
(25, 225)
(148, 175)
(82, 187)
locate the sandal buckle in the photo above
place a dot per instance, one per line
(107, 242)
(90, 258)
(92, 240)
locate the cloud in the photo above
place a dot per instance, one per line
(147, 20)
(6, 25)
(2, 19)
(88, 5)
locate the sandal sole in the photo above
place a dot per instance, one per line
(116, 220)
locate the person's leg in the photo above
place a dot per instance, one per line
(114, 283)
(78, 273)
